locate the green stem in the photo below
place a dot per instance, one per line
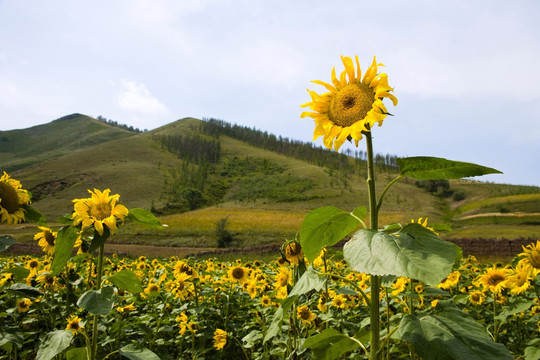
(374, 313)
(93, 349)
(495, 325)
(379, 203)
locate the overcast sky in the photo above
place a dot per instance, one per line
(466, 73)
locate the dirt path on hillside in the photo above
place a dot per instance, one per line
(516, 214)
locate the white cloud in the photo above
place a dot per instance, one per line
(135, 97)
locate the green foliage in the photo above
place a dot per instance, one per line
(65, 242)
(414, 252)
(330, 344)
(326, 226)
(449, 333)
(126, 280)
(98, 302)
(281, 188)
(144, 217)
(432, 168)
(6, 242)
(53, 344)
(134, 352)
(224, 237)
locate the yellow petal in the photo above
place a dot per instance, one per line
(349, 67)
(329, 87)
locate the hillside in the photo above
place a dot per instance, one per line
(196, 173)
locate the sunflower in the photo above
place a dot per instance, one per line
(46, 239)
(424, 223)
(399, 286)
(518, 282)
(181, 267)
(238, 274)
(127, 308)
(351, 106)
(266, 301)
(151, 288)
(74, 324)
(23, 305)
(12, 200)
(303, 313)
(100, 210)
(293, 252)
(495, 279)
(340, 301)
(531, 257)
(450, 281)
(477, 297)
(282, 278)
(220, 339)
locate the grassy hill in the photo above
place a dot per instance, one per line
(195, 173)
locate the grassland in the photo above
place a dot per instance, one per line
(263, 195)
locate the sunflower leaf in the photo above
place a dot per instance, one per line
(54, 343)
(324, 227)
(98, 302)
(98, 239)
(433, 168)
(65, 241)
(126, 280)
(330, 344)
(135, 352)
(5, 242)
(413, 252)
(449, 333)
(144, 217)
(34, 216)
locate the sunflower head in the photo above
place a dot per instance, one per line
(220, 339)
(238, 274)
(75, 325)
(495, 279)
(99, 211)
(12, 200)
(352, 104)
(477, 297)
(23, 305)
(293, 252)
(304, 313)
(531, 257)
(46, 239)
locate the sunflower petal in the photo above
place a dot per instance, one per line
(349, 67)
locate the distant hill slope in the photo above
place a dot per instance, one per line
(192, 168)
(25, 147)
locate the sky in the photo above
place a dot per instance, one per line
(466, 73)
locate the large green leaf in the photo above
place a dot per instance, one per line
(98, 240)
(80, 353)
(324, 227)
(53, 344)
(433, 168)
(5, 242)
(11, 335)
(138, 353)
(330, 344)
(144, 217)
(413, 252)
(98, 302)
(65, 241)
(20, 273)
(126, 280)
(25, 290)
(450, 334)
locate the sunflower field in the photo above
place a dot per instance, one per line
(206, 309)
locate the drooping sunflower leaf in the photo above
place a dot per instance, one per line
(54, 343)
(80, 353)
(144, 217)
(134, 352)
(5, 242)
(25, 290)
(433, 168)
(98, 302)
(324, 227)
(449, 334)
(34, 216)
(330, 344)
(65, 241)
(126, 280)
(413, 252)
(11, 335)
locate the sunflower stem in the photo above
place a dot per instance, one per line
(374, 312)
(93, 349)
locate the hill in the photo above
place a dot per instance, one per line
(196, 174)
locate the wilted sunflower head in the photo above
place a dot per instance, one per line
(220, 339)
(293, 252)
(12, 200)
(99, 210)
(352, 105)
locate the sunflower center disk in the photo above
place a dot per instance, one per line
(100, 211)
(49, 237)
(535, 259)
(351, 104)
(238, 273)
(9, 198)
(495, 279)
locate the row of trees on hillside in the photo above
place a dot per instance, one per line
(302, 150)
(117, 124)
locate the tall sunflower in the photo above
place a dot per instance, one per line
(495, 279)
(351, 106)
(12, 199)
(531, 258)
(100, 210)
